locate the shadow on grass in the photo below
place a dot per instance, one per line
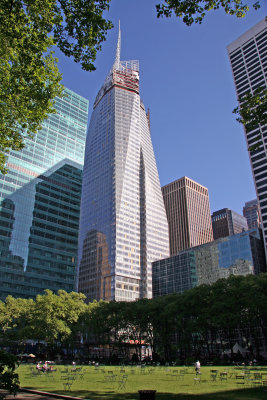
(240, 394)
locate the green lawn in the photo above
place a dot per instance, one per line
(102, 382)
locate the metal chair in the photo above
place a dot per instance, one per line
(122, 382)
(240, 379)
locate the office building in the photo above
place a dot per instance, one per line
(226, 222)
(123, 224)
(40, 204)
(248, 58)
(188, 212)
(252, 214)
(240, 254)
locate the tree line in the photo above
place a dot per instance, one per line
(203, 322)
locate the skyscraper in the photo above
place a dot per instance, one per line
(123, 225)
(227, 222)
(248, 58)
(188, 212)
(40, 204)
(252, 213)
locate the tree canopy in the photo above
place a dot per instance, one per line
(177, 326)
(29, 77)
(194, 11)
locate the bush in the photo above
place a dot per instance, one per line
(9, 380)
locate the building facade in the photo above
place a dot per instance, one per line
(188, 212)
(227, 222)
(248, 58)
(123, 224)
(240, 254)
(40, 204)
(251, 212)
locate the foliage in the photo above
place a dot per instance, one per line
(194, 11)
(188, 324)
(177, 326)
(14, 314)
(54, 315)
(8, 378)
(29, 77)
(50, 317)
(252, 113)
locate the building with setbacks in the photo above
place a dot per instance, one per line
(123, 224)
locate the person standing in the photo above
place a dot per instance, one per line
(197, 367)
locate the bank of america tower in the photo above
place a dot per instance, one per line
(123, 224)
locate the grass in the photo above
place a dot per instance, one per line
(96, 383)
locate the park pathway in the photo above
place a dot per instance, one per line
(38, 396)
(29, 396)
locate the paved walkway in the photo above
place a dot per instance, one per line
(29, 396)
(38, 396)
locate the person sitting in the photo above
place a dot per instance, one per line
(45, 367)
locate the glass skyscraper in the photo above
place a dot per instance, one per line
(248, 58)
(40, 204)
(123, 224)
(239, 254)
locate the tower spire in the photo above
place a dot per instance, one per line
(118, 50)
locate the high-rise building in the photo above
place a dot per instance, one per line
(252, 214)
(248, 58)
(240, 254)
(227, 222)
(188, 212)
(123, 225)
(40, 204)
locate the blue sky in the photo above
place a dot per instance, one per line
(186, 81)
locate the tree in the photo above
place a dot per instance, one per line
(194, 11)
(252, 113)
(13, 317)
(53, 315)
(29, 77)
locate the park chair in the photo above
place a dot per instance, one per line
(68, 382)
(230, 372)
(223, 376)
(181, 375)
(110, 377)
(213, 375)
(80, 375)
(64, 371)
(122, 381)
(168, 371)
(175, 373)
(240, 379)
(257, 379)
